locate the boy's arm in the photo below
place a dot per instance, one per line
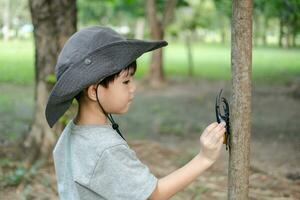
(179, 179)
(211, 142)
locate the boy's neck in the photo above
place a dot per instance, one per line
(89, 115)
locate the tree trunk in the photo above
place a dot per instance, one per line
(241, 64)
(265, 30)
(6, 20)
(294, 36)
(295, 29)
(157, 33)
(54, 22)
(223, 30)
(222, 25)
(139, 29)
(256, 26)
(189, 54)
(280, 32)
(289, 36)
(156, 68)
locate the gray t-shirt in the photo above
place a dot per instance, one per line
(94, 162)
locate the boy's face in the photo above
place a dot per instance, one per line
(116, 98)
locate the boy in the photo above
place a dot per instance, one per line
(92, 159)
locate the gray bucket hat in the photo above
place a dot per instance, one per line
(89, 56)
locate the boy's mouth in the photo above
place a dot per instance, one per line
(130, 99)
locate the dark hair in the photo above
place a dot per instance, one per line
(132, 66)
(105, 82)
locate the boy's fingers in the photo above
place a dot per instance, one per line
(216, 129)
(216, 140)
(220, 135)
(210, 128)
(221, 140)
(219, 128)
(216, 134)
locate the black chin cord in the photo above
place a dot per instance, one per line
(115, 126)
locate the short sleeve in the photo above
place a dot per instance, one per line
(119, 174)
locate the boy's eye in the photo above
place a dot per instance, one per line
(126, 82)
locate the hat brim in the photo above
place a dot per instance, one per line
(103, 62)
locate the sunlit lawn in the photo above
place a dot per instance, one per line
(210, 61)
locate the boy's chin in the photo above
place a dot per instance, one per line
(125, 110)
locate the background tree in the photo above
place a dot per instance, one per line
(188, 18)
(117, 13)
(241, 64)
(54, 21)
(14, 14)
(6, 18)
(223, 8)
(292, 10)
(188, 26)
(287, 13)
(157, 29)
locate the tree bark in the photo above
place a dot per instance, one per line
(157, 27)
(54, 21)
(241, 64)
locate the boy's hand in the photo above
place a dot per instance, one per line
(211, 141)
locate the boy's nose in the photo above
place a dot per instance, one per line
(133, 87)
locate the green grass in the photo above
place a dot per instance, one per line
(17, 62)
(276, 64)
(211, 61)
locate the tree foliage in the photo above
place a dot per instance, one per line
(279, 18)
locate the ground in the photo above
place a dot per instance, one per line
(163, 126)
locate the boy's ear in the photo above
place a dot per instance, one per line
(91, 92)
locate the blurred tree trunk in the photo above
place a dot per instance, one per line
(223, 29)
(157, 27)
(6, 20)
(295, 28)
(294, 36)
(139, 29)
(54, 22)
(190, 54)
(241, 64)
(256, 26)
(289, 36)
(280, 43)
(265, 30)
